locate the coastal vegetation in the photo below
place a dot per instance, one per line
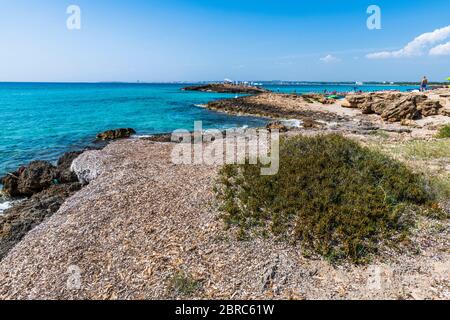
(431, 157)
(420, 149)
(337, 198)
(444, 132)
(184, 284)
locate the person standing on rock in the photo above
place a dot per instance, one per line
(423, 84)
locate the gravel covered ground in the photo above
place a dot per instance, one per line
(146, 225)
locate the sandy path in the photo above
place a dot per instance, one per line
(146, 219)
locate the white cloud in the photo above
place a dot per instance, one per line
(417, 47)
(441, 50)
(329, 59)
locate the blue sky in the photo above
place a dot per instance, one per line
(170, 40)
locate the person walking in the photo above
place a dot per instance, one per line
(424, 84)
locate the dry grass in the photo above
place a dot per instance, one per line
(431, 157)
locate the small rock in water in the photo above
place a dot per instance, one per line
(277, 125)
(38, 176)
(26, 181)
(116, 134)
(288, 124)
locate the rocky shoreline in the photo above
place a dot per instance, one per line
(391, 106)
(398, 106)
(130, 219)
(226, 88)
(44, 188)
(39, 189)
(274, 105)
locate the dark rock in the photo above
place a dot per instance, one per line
(10, 184)
(277, 125)
(311, 123)
(34, 178)
(165, 137)
(226, 88)
(24, 216)
(264, 107)
(116, 134)
(38, 176)
(65, 175)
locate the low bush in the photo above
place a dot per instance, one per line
(184, 284)
(444, 132)
(337, 198)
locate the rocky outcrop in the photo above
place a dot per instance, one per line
(88, 166)
(370, 103)
(445, 112)
(38, 176)
(272, 105)
(116, 134)
(226, 88)
(34, 178)
(403, 108)
(316, 97)
(10, 184)
(65, 175)
(46, 187)
(445, 102)
(26, 181)
(394, 106)
(24, 216)
(429, 107)
(163, 137)
(277, 125)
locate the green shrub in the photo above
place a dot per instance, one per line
(336, 197)
(444, 132)
(184, 284)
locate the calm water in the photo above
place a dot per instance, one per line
(41, 121)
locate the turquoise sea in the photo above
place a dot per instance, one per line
(43, 120)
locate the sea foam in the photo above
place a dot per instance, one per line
(5, 205)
